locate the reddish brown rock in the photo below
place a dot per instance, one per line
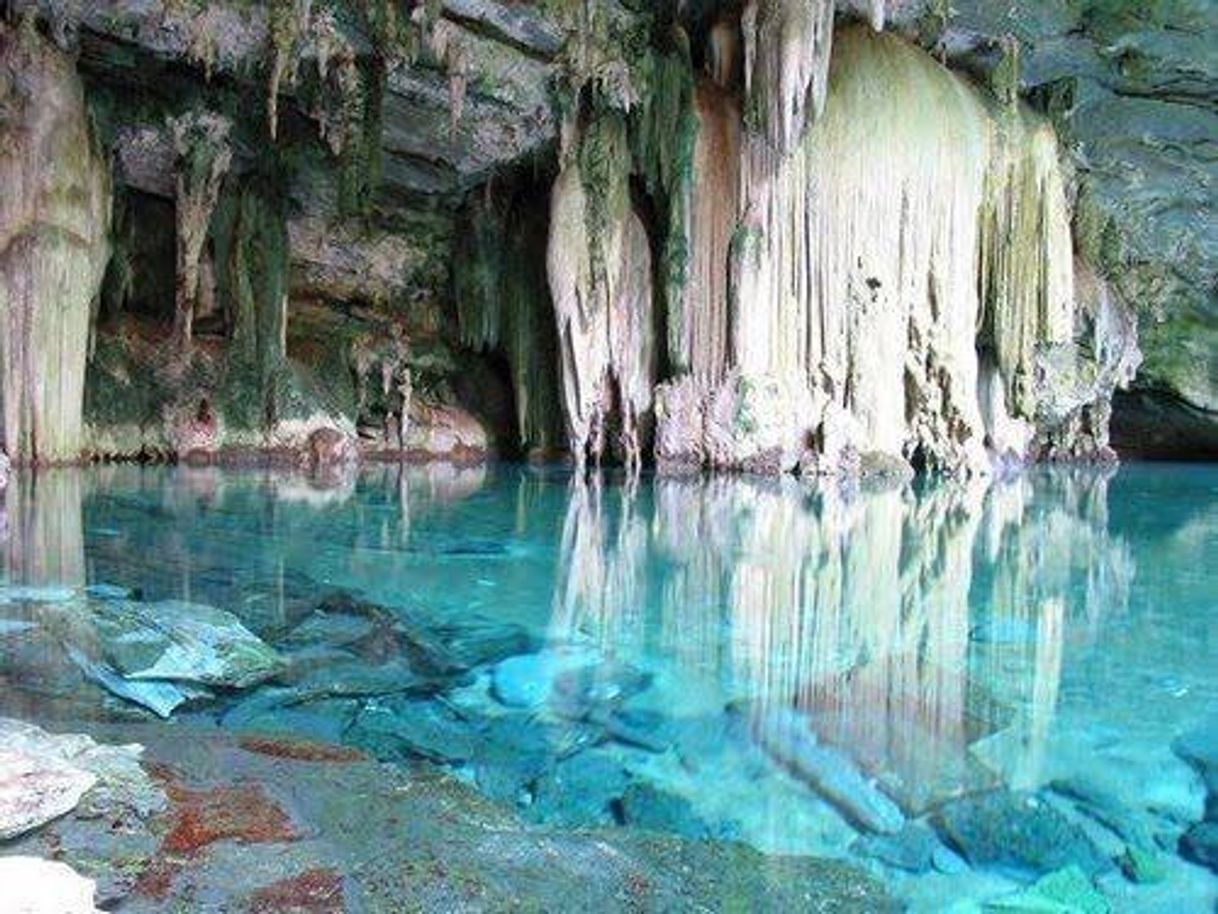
(300, 750)
(226, 813)
(315, 891)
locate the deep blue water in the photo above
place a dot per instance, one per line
(653, 653)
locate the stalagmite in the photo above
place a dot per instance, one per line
(54, 225)
(599, 267)
(201, 143)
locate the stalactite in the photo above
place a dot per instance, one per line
(787, 51)
(599, 268)
(204, 155)
(54, 230)
(1027, 285)
(288, 21)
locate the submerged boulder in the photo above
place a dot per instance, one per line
(1017, 831)
(787, 736)
(180, 642)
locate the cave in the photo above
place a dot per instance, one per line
(596, 454)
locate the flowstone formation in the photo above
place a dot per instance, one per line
(875, 261)
(54, 221)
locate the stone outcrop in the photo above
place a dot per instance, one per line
(54, 221)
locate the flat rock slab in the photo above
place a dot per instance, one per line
(35, 789)
(34, 886)
(44, 776)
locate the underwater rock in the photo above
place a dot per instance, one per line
(579, 791)
(177, 641)
(787, 736)
(913, 848)
(448, 648)
(527, 680)
(1017, 831)
(1199, 747)
(1200, 844)
(588, 690)
(33, 886)
(515, 754)
(1142, 865)
(644, 805)
(399, 729)
(1068, 891)
(158, 696)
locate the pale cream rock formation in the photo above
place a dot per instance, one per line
(54, 225)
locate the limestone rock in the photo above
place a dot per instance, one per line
(54, 223)
(34, 886)
(47, 775)
(34, 790)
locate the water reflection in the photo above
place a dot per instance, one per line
(919, 630)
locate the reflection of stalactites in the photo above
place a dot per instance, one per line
(1050, 563)
(46, 535)
(601, 590)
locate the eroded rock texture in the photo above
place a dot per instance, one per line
(54, 220)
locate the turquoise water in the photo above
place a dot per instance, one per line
(795, 667)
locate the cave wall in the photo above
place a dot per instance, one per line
(835, 236)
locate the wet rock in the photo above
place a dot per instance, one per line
(1200, 844)
(110, 592)
(1066, 891)
(400, 729)
(644, 805)
(1142, 865)
(1199, 747)
(579, 792)
(1017, 831)
(527, 680)
(34, 789)
(786, 735)
(913, 848)
(33, 886)
(176, 641)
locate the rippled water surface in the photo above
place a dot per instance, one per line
(801, 669)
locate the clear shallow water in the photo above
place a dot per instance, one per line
(681, 638)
